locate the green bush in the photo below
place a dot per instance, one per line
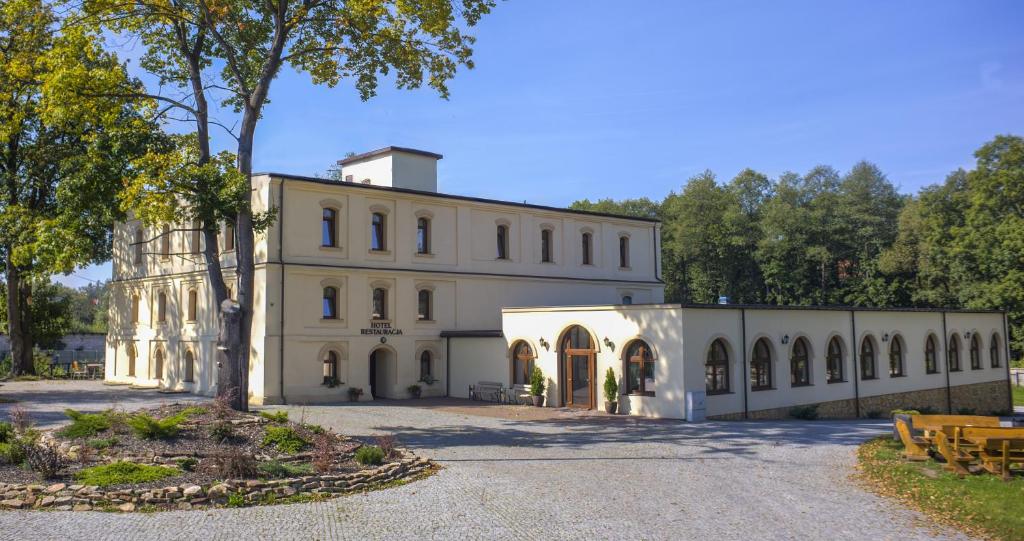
(6, 432)
(536, 382)
(84, 425)
(285, 439)
(276, 468)
(874, 414)
(187, 463)
(807, 413)
(123, 473)
(279, 417)
(236, 500)
(314, 429)
(222, 431)
(894, 413)
(369, 455)
(12, 453)
(965, 411)
(148, 428)
(103, 443)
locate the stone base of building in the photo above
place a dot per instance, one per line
(987, 398)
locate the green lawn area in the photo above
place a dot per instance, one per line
(980, 504)
(1018, 396)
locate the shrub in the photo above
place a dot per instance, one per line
(894, 413)
(123, 473)
(323, 452)
(191, 411)
(84, 425)
(44, 459)
(927, 410)
(187, 463)
(6, 432)
(369, 455)
(236, 500)
(148, 428)
(314, 429)
(222, 431)
(965, 411)
(20, 419)
(536, 382)
(234, 464)
(103, 443)
(277, 469)
(414, 390)
(874, 414)
(354, 393)
(387, 443)
(222, 405)
(807, 413)
(12, 453)
(611, 386)
(285, 439)
(279, 417)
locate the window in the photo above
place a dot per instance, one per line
(423, 235)
(197, 236)
(378, 230)
(716, 369)
(423, 302)
(161, 307)
(761, 366)
(834, 360)
(953, 355)
(896, 357)
(627, 299)
(975, 352)
(135, 309)
(158, 364)
(193, 298)
(380, 303)
(190, 368)
(522, 363)
(138, 245)
(426, 374)
(993, 351)
(624, 252)
(165, 242)
(132, 354)
(331, 369)
(931, 364)
(329, 228)
(639, 369)
(588, 246)
(229, 237)
(545, 246)
(502, 241)
(330, 303)
(799, 364)
(867, 359)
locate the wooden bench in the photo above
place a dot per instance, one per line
(914, 447)
(997, 448)
(934, 423)
(487, 390)
(920, 435)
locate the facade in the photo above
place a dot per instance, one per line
(359, 283)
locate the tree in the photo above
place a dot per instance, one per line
(51, 311)
(250, 42)
(62, 155)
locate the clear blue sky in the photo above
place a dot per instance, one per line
(593, 98)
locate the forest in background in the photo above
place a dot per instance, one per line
(831, 238)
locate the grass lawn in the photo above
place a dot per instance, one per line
(1018, 396)
(980, 504)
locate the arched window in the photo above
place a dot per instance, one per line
(197, 236)
(331, 369)
(545, 246)
(380, 303)
(329, 228)
(135, 309)
(161, 307)
(761, 366)
(378, 232)
(132, 355)
(624, 252)
(138, 245)
(423, 235)
(800, 364)
(502, 241)
(193, 300)
(158, 364)
(627, 299)
(229, 237)
(165, 242)
(426, 366)
(639, 369)
(522, 363)
(975, 352)
(716, 369)
(953, 355)
(587, 249)
(834, 360)
(867, 359)
(931, 365)
(190, 366)
(424, 304)
(330, 303)
(994, 351)
(896, 357)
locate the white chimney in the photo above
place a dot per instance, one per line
(393, 167)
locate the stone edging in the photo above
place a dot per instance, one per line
(63, 497)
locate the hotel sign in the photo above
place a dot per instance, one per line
(380, 328)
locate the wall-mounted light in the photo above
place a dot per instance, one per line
(885, 337)
(785, 339)
(967, 335)
(609, 343)
(544, 343)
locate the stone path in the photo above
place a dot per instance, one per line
(587, 477)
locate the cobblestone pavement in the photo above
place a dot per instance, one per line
(586, 477)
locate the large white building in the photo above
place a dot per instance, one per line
(379, 282)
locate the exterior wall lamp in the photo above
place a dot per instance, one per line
(609, 343)
(544, 343)
(967, 335)
(885, 337)
(785, 339)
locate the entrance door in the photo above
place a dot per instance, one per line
(373, 374)
(577, 368)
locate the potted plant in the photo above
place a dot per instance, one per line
(537, 386)
(611, 392)
(354, 393)
(414, 390)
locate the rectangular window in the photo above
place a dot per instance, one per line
(380, 303)
(423, 312)
(624, 252)
(378, 242)
(422, 236)
(545, 246)
(502, 242)
(587, 249)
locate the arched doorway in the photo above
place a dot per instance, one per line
(576, 352)
(382, 368)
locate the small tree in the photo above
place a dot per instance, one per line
(536, 382)
(611, 387)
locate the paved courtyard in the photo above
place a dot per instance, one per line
(560, 476)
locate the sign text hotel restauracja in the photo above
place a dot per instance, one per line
(380, 327)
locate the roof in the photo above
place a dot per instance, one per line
(352, 185)
(387, 150)
(831, 308)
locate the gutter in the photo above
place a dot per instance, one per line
(280, 260)
(945, 350)
(856, 367)
(744, 377)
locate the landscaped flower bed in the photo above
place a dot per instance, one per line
(182, 457)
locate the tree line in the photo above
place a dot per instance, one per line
(831, 238)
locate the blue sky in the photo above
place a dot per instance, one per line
(594, 98)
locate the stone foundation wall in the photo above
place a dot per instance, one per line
(983, 398)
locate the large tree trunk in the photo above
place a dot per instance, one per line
(18, 320)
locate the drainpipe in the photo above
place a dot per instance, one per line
(746, 377)
(945, 349)
(447, 366)
(856, 369)
(654, 235)
(280, 260)
(1009, 384)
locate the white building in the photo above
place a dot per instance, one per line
(379, 282)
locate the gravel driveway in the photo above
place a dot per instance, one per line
(578, 478)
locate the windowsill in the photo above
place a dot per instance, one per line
(165, 258)
(646, 394)
(379, 252)
(625, 268)
(714, 393)
(331, 248)
(831, 381)
(956, 369)
(932, 372)
(426, 321)
(331, 320)
(897, 375)
(190, 322)
(586, 264)
(425, 255)
(547, 262)
(372, 320)
(978, 368)
(801, 385)
(503, 259)
(862, 378)
(756, 389)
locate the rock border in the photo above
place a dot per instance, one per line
(64, 497)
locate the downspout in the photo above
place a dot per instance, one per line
(856, 368)
(744, 377)
(945, 350)
(447, 366)
(654, 235)
(1009, 384)
(280, 260)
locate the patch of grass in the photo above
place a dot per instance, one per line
(277, 469)
(1018, 396)
(84, 425)
(369, 455)
(982, 504)
(279, 417)
(285, 439)
(123, 473)
(103, 443)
